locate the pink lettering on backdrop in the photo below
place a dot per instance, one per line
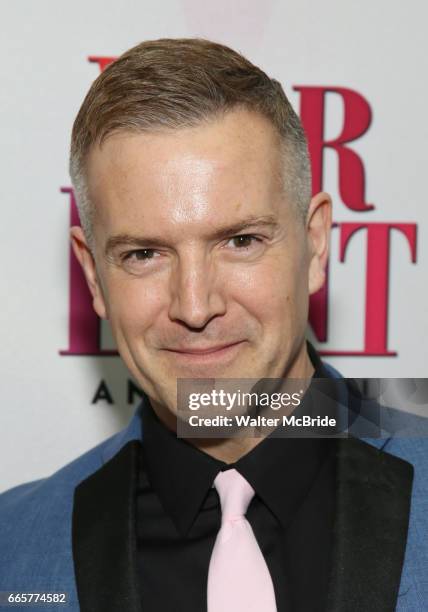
(102, 61)
(377, 281)
(357, 118)
(84, 325)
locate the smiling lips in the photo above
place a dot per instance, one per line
(204, 351)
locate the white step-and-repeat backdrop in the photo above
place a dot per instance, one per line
(355, 71)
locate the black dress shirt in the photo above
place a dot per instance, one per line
(179, 515)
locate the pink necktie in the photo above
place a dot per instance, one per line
(238, 577)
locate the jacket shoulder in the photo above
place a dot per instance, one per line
(35, 528)
(414, 585)
(67, 477)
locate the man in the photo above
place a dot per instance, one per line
(201, 244)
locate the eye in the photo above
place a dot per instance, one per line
(138, 261)
(139, 255)
(243, 241)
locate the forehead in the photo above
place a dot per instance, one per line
(223, 167)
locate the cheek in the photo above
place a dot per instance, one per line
(133, 305)
(274, 290)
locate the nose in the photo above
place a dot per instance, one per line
(195, 293)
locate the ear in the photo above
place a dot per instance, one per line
(86, 260)
(318, 225)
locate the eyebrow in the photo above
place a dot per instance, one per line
(268, 221)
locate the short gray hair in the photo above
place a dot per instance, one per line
(177, 83)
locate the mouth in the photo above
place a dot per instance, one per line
(207, 354)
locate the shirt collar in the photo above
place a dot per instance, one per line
(182, 475)
(293, 462)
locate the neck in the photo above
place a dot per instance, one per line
(230, 450)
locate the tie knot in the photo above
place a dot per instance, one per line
(235, 494)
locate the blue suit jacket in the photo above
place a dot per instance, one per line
(73, 532)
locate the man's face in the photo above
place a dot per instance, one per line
(202, 266)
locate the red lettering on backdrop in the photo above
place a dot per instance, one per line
(357, 118)
(377, 281)
(84, 326)
(102, 61)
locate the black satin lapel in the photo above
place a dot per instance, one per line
(372, 515)
(103, 536)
